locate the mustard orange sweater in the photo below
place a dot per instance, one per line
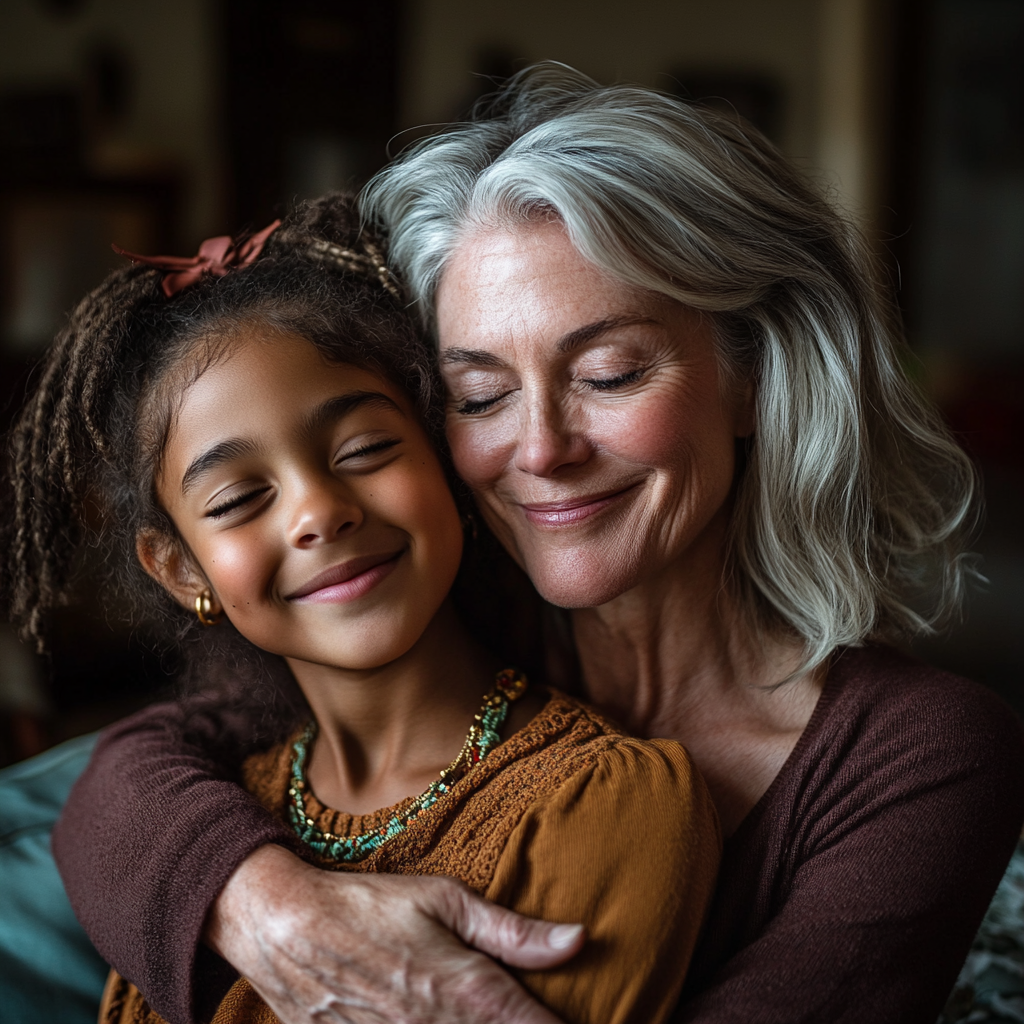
(568, 820)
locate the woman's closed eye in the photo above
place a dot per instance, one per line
(612, 383)
(469, 406)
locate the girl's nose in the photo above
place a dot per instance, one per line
(549, 440)
(324, 510)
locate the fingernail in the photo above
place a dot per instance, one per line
(564, 935)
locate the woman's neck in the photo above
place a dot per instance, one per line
(676, 658)
(386, 733)
(651, 654)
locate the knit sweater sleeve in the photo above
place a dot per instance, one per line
(882, 849)
(151, 832)
(630, 848)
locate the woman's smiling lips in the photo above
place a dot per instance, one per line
(347, 581)
(572, 510)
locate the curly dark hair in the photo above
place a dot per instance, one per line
(86, 449)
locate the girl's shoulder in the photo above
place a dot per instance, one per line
(266, 774)
(569, 737)
(620, 834)
(579, 761)
(573, 774)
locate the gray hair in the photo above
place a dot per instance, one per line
(854, 504)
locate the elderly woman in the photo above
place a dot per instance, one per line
(675, 391)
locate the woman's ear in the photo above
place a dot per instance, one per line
(746, 409)
(171, 566)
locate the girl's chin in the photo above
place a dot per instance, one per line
(345, 661)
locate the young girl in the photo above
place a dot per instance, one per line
(257, 429)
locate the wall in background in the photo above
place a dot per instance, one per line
(186, 132)
(168, 55)
(110, 123)
(827, 58)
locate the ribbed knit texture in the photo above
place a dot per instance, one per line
(569, 819)
(850, 893)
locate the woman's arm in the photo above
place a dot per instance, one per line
(158, 843)
(631, 849)
(379, 948)
(851, 947)
(150, 834)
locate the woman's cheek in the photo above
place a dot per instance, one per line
(664, 428)
(481, 449)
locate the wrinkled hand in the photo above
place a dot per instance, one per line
(327, 947)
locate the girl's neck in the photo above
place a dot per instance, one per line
(385, 733)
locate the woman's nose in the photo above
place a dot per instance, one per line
(323, 511)
(550, 440)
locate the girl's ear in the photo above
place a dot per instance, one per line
(171, 566)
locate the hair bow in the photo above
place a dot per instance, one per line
(216, 256)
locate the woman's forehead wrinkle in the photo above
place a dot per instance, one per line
(468, 356)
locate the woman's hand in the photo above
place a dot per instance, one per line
(324, 946)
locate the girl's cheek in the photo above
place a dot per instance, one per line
(238, 569)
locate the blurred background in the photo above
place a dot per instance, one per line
(158, 124)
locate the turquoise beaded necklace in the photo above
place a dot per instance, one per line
(484, 736)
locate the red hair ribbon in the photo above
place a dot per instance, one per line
(216, 256)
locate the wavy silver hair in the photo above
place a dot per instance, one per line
(854, 503)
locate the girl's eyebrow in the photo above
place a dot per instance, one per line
(337, 408)
(223, 451)
(323, 415)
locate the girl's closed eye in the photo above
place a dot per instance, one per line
(360, 457)
(235, 502)
(364, 451)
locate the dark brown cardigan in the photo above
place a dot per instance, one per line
(850, 893)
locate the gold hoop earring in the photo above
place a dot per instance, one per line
(206, 612)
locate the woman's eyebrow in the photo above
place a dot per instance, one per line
(566, 343)
(223, 451)
(581, 335)
(471, 356)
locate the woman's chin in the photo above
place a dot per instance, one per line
(581, 582)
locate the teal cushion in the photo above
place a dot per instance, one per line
(49, 971)
(990, 989)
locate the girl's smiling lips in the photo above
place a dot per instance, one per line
(572, 510)
(347, 581)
